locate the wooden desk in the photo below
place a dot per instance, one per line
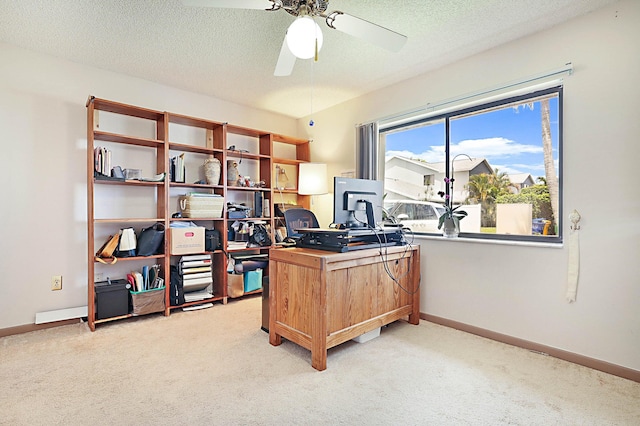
(319, 299)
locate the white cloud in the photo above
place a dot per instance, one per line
(432, 156)
(492, 148)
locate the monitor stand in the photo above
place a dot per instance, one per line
(353, 223)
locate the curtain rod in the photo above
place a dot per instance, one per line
(429, 108)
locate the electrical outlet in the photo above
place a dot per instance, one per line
(56, 282)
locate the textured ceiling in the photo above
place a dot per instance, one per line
(230, 54)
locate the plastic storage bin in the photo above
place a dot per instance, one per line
(252, 280)
(538, 226)
(112, 299)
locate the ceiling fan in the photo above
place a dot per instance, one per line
(303, 38)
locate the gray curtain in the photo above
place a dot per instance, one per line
(367, 151)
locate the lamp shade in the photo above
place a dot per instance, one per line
(301, 37)
(312, 179)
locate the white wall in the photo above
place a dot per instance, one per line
(519, 290)
(515, 290)
(43, 213)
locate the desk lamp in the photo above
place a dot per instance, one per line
(312, 179)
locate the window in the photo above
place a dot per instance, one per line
(504, 157)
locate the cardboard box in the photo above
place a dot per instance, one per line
(187, 240)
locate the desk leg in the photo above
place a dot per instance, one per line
(414, 317)
(319, 323)
(274, 339)
(319, 359)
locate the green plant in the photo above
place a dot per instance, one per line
(450, 212)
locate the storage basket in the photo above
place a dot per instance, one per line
(199, 206)
(235, 285)
(148, 301)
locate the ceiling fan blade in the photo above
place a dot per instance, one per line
(231, 4)
(286, 61)
(366, 30)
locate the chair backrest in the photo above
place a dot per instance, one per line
(299, 218)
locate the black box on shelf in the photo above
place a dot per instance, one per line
(112, 298)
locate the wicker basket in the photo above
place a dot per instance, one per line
(201, 206)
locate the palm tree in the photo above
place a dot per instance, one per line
(482, 191)
(501, 183)
(549, 167)
(485, 189)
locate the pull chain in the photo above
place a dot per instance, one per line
(311, 122)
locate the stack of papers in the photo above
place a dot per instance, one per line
(236, 245)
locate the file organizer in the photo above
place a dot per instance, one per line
(197, 277)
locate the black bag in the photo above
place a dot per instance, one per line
(176, 290)
(150, 240)
(260, 236)
(212, 240)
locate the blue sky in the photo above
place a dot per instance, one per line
(510, 139)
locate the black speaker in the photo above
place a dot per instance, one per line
(258, 200)
(212, 240)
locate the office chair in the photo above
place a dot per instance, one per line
(299, 218)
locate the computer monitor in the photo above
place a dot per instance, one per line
(357, 203)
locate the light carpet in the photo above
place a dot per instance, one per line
(216, 367)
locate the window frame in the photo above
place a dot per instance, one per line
(452, 113)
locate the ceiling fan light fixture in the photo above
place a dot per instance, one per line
(302, 36)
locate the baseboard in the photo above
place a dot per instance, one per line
(596, 364)
(34, 327)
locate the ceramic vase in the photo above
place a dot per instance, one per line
(212, 171)
(232, 173)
